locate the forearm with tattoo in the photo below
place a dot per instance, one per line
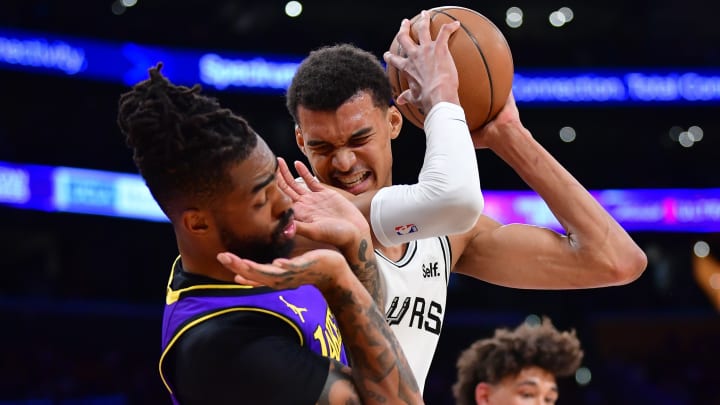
(363, 263)
(380, 370)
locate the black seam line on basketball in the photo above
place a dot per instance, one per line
(409, 110)
(482, 55)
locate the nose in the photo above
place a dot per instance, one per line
(343, 160)
(281, 202)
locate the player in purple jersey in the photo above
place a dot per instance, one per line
(282, 343)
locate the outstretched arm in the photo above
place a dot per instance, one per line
(595, 250)
(380, 372)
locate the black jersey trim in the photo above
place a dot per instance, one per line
(204, 317)
(405, 259)
(209, 289)
(447, 256)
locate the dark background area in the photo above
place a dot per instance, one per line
(81, 296)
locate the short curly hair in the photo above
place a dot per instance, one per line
(508, 352)
(331, 75)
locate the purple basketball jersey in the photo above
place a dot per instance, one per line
(303, 308)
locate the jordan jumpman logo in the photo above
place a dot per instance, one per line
(298, 311)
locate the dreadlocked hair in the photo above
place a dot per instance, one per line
(331, 75)
(183, 142)
(508, 352)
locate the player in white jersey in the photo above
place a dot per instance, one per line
(415, 293)
(340, 101)
(412, 288)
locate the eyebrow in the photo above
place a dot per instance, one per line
(534, 384)
(267, 181)
(356, 134)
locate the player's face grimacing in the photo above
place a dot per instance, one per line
(255, 219)
(349, 148)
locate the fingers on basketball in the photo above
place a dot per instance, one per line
(483, 60)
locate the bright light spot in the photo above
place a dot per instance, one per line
(293, 8)
(583, 376)
(715, 281)
(675, 133)
(567, 134)
(513, 24)
(117, 8)
(514, 13)
(568, 13)
(129, 3)
(696, 133)
(514, 17)
(701, 249)
(685, 139)
(533, 320)
(557, 19)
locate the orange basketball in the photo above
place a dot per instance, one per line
(483, 60)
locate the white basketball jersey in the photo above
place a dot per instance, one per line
(416, 287)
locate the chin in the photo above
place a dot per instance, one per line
(284, 250)
(264, 252)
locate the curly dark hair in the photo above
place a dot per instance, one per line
(329, 76)
(183, 142)
(508, 352)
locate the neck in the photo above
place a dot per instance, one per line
(393, 253)
(207, 268)
(200, 259)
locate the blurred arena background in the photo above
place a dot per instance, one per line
(82, 295)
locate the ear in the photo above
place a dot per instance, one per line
(299, 139)
(195, 221)
(482, 393)
(395, 120)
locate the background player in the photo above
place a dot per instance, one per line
(518, 366)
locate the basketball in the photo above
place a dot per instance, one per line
(483, 60)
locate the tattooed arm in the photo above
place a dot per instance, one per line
(380, 372)
(318, 210)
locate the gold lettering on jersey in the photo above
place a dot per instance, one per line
(332, 334)
(329, 337)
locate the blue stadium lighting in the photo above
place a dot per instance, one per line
(578, 88)
(257, 72)
(43, 53)
(227, 71)
(617, 87)
(84, 191)
(81, 191)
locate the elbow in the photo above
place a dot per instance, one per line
(465, 206)
(629, 266)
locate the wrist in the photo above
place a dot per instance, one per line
(443, 110)
(502, 134)
(340, 280)
(440, 96)
(350, 248)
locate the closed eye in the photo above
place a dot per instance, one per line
(260, 204)
(263, 196)
(321, 149)
(359, 141)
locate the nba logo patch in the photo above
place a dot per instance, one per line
(405, 229)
